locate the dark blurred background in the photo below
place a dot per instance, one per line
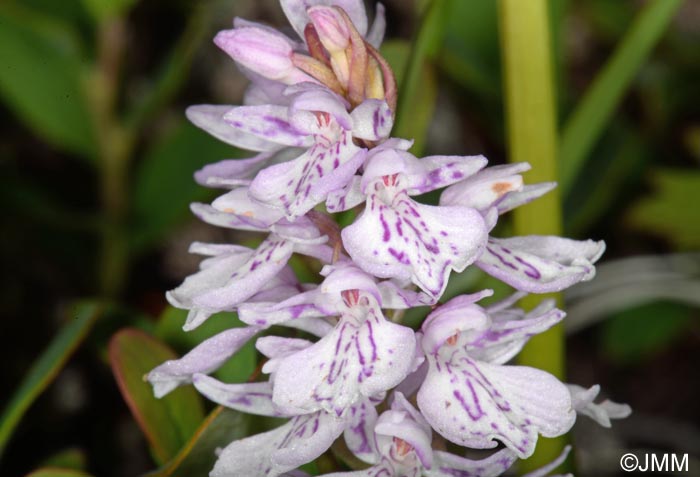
(96, 163)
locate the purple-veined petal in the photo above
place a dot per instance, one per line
(204, 358)
(583, 402)
(296, 12)
(486, 188)
(364, 355)
(211, 119)
(264, 51)
(359, 432)
(251, 398)
(214, 273)
(346, 198)
(231, 173)
(397, 298)
(300, 440)
(472, 403)
(375, 36)
(299, 185)
(248, 279)
(311, 100)
(372, 120)
(400, 238)
(450, 465)
(268, 122)
(540, 264)
(510, 330)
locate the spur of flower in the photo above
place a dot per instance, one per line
(340, 363)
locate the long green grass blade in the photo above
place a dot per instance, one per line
(532, 137)
(592, 115)
(48, 365)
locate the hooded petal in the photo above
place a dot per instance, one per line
(404, 422)
(204, 358)
(299, 185)
(291, 445)
(364, 355)
(372, 120)
(583, 402)
(400, 238)
(472, 403)
(251, 398)
(211, 119)
(418, 176)
(540, 264)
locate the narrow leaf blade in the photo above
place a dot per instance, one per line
(48, 365)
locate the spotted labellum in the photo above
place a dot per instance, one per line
(341, 366)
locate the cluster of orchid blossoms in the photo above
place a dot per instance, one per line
(320, 112)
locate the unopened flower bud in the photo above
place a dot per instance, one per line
(261, 51)
(331, 27)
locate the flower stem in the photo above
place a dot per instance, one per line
(115, 146)
(532, 137)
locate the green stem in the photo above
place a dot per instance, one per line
(532, 137)
(595, 109)
(115, 146)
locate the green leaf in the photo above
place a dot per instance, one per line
(57, 472)
(47, 366)
(641, 331)
(197, 457)
(40, 78)
(418, 88)
(593, 113)
(672, 212)
(169, 422)
(164, 186)
(101, 9)
(422, 107)
(72, 458)
(237, 369)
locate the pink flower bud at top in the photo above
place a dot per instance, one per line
(261, 51)
(331, 27)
